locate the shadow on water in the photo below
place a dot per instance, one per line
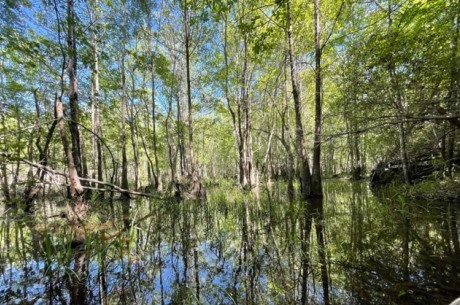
(350, 248)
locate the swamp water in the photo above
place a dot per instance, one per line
(235, 249)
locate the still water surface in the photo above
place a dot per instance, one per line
(236, 249)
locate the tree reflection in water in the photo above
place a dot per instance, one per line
(235, 249)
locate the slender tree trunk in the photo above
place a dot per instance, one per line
(124, 160)
(236, 130)
(194, 188)
(133, 114)
(97, 163)
(78, 210)
(246, 103)
(73, 87)
(96, 148)
(134, 143)
(3, 158)
(157, 174)
(317, 188)
(180, 139)
(5, 185)
(158, 183)
(16, 166)
(172, 153)
(150, 165)
(241, 144)
(285, 139)
(305, 176)
(172, 163)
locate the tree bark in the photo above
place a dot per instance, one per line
(132, 122)
(304, 168)
(124, 159)
(285, 139)
(78, 210)
(317, 188)
(246, 103)
(96, 117)
(157, 175)
(194, 187)
(73, 87)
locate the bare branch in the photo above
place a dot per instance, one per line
(113, 186)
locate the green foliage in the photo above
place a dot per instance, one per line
(360, 43)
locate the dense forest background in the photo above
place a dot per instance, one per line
(155, 93)
(176, 152)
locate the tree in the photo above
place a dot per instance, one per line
(194, 187)
(238, 77)
(304, 167)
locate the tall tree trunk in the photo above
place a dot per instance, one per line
(194, 187)
(317, 188)
(124, 160)
(236, 132)
(170, 138)
(3, 158)
(157, 175)
(171, 153)
(97, 162)
(246, 103)
(305, 176)
(133, 114)
(134, 143)
(241, 145)
(285, 138)
(73, 87)
(180, 140)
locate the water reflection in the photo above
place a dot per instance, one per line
(352, 248)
